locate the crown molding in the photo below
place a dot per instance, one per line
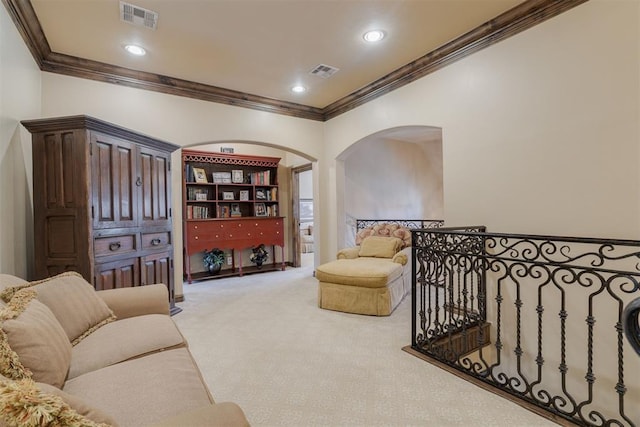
(513, 21)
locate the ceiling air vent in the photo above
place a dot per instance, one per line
(138, 16)
(324, 71)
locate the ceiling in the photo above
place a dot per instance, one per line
(251, 52)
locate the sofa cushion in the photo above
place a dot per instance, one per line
(35, 335)
(380, 247)
(146, 390)
(78, 405)
(226, 414)
(72, 300)
(23, 403)
(124, 339)
(363, 271)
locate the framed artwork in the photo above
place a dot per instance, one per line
(261, 194)
(235, 210)
(244, 195)
(221, 177)
(201, 196)
(227, 195)
(237, 176)
(261, 210)
(228, 150)
(200, 175)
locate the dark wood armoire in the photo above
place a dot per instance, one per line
(102, 203)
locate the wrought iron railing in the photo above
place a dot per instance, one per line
(542, 318)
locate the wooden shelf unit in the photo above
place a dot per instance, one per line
(237, 208)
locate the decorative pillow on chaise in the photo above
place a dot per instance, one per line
(24, 404)
(380, 247)
(385, 230)
(72, 300)
(30, 331)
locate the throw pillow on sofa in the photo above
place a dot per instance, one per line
(31, 331)
(72, 300)
(78, 405)
(23, 403)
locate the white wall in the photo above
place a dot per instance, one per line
(540, 132)
(19, 100)
(394, 180)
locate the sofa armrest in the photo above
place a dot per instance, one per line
(348, 253)
(225, 414)
(137, 301)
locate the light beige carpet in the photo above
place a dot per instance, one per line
(261, 341)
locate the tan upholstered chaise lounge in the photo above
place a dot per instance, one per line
(371, 278)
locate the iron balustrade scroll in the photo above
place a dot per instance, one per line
(542, 318)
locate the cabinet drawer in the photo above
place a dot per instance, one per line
(156, 240)
(114, 245)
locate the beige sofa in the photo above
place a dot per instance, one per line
(72, 356)
(371, 278)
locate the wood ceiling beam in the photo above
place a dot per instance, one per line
(514, 21)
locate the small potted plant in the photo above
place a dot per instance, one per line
(213, 260)
(259, 255)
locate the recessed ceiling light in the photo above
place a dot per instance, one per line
(135, 50)
(373, 36)
(298, 89)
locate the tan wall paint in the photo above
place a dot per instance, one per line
(19, 98)
(540, 132)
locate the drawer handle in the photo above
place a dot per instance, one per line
(155, 242)
(114, 246)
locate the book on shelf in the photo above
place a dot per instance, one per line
(261, 178)
(272, 210)
(197, 194)
(197, 212)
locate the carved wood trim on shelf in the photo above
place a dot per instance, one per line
(229, 159)
(512, 22)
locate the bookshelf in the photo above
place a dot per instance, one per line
(230, 201)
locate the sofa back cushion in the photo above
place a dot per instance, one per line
(380, 247)
(72, 300)
(32, 332)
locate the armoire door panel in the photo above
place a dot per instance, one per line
(157, 268)
(114, 171)
(119, 274)
(155, 175)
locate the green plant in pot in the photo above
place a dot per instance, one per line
(213, 260)
(258, 255)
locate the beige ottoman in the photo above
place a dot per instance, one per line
(363, 285)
